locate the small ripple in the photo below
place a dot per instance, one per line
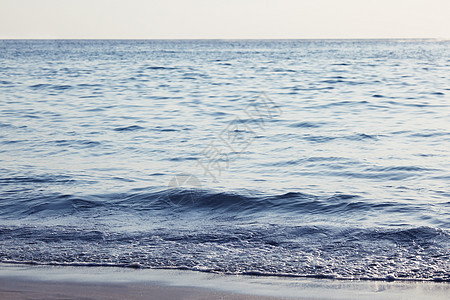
(400, 168)
(305, 125)
(279, 70)
(128, 128)
(361, 136)
(44, 86)
(430, 134)
(341, 103)
(160, 68)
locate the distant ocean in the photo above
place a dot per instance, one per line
(314, 158)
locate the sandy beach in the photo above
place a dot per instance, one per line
(30, 289)
(51, 282)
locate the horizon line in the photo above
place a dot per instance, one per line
(229, 39)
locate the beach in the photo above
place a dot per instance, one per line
(56, 282)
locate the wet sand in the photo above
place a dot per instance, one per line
(30, 289)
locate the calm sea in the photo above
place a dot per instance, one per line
(295, 157)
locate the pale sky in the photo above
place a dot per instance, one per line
(224, 19)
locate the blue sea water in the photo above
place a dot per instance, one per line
(314, 158)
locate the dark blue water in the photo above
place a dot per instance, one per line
(304, 158)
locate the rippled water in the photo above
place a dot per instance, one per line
(304, 158)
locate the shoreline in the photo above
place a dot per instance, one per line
(38, 281)
(252, 273)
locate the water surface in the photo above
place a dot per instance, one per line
(341, 171)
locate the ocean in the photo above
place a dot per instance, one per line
(308, 158)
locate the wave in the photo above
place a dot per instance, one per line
(179, 200)
(419, 253)
(22, 203)
(388, 278)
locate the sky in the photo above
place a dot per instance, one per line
(224, 19)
